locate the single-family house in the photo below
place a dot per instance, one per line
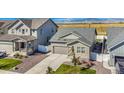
(101, 33)
(24, 35)
(4, 24)
(115, 46)
(81, 38)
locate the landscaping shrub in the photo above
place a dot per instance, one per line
(88, 64)
(49, 70)
(17, 55)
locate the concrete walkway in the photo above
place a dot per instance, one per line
(113, 70)
(106, 65)
(54, 61)
(105, 59)
(7, 72)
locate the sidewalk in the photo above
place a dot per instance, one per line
(7, 72)
(105, 58)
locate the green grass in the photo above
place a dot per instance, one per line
(67, 69)
(6, 64)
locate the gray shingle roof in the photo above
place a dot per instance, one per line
(28, 38)
(7, 37)
(19, 26)
(87, 35)
(5, 23)
(115, 36)
(16, 21)
(27, 22)
(33, 23)
(37, 22)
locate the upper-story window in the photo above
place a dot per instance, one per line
(33, 30)
(41, 32)
(12, 30)
(19, 30)
(52, 30)
(23, 31)
(26, 30)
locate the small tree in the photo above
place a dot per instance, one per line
(49, 70)
(74, 59)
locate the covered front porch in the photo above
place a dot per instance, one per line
(24, 47)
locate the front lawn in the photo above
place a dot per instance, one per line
(7, 64)
(67, 69)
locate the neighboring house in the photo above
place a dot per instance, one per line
(4, 24)
(81, 38)
(24, 35)
(115, 46)
(101, 33)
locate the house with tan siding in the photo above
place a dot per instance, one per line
(81, 38)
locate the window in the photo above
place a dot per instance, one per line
(80, 49)
(26, 30)
(48, 39)
(12, 30)
(52, 31)
(19, 30)
(22, 45)
(33, 30)
(41, 31)
(23, 31)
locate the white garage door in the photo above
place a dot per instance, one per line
(7, 47)
(60, 50)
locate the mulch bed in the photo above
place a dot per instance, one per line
(28, 63)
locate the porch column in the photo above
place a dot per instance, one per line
(13, 46)
(26, 43)
(19, 46)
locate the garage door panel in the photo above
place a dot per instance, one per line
(8, 48)
(60, 50)
(119, 59)
(119, 64)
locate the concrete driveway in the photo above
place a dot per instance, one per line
(54, 61)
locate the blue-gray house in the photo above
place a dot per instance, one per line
(115, 46)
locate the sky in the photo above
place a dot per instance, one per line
(64, 20)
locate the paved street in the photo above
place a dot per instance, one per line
(53, 61)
